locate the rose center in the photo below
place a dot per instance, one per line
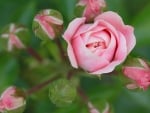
(93, 45)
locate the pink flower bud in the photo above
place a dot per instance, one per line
(14, 36)
(139, 73)
(48, 24)
(12, 99)
(90, 8)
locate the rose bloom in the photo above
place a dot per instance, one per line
(92, 8)
(100, 46)
(140, 74)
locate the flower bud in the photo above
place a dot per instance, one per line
(48, 24)
(138, 71)
(62, 92)
(14, 36)
(12, 100)
(89, 8)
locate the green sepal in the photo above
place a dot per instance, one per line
(79, 10)
(62, 92)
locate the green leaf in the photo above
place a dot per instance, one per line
(141, 24)
(9, 70)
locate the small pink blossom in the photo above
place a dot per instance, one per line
(140, 74)
(10, 100)
(92, 8)
(100, 46)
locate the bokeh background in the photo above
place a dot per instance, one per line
(20, 70)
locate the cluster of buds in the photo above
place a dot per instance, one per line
(14, 36)
(12, 100)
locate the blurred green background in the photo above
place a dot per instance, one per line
(21, 70)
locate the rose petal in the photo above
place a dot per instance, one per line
(72, 28)
(86, 59)
(46, 27)
(107, 69)
(68, 35)
(116, 20)
(71, 56)
(135, 73)
(54, 20)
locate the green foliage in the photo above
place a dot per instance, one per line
(9, 71)
(25, 72)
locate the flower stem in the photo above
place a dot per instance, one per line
(83, 96)
(41, 85)
(61, 50)
(33, 53)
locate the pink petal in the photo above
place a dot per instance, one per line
(107, 69)
(116, 21)
(120, 54)
(2, 107)
(45, 26)
(121, 50)
(71, 56)
(85, 58)
(135, 73)
(53, 20)
(68, 36)
(73, 28)
(9, 99)
(15, 41)
(9, 91)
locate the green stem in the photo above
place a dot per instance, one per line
(83, 96)
(33, 53)
(61, 50)
(41, 85)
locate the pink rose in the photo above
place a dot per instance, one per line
(140, 74)
(100, 46)
(92, 7)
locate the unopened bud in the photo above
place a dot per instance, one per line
(12, 100)
(14, 36)
(48, 24)
(62, 92)
(89, 8)
(138, 71)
